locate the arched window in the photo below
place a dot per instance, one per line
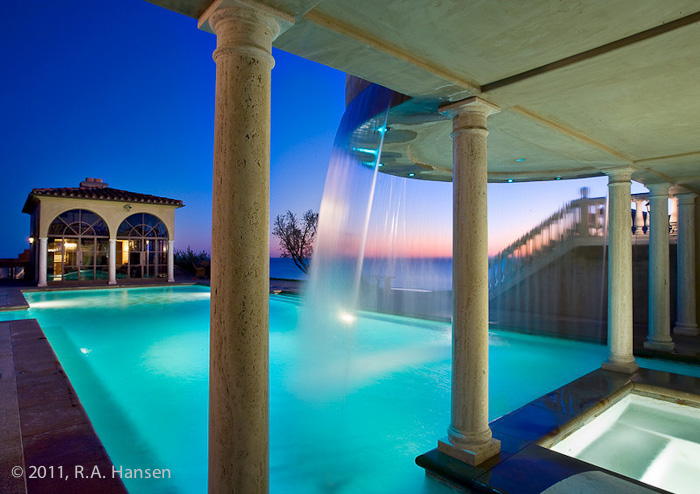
(142, 247)
(78, 247)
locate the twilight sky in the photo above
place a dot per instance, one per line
(124, 91)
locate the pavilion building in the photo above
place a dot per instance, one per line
(94, 233)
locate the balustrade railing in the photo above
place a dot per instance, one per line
(580, 222)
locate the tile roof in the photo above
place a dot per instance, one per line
(104, 193)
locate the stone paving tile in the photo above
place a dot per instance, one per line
(63, 446)
(666, 380)
(11, 298)
(45, 418)
(11, 457)
(48, 392)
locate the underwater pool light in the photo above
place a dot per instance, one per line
(373, 152)
(510, 180)
(411, 174)
(520, 159)
(346, 317)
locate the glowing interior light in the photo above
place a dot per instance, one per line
(31, 240)
(346, 317)
(71, 245)
(373, 152)
(125, 252)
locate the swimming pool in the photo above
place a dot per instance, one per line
(138, 359)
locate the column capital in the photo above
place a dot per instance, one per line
(619, 174)
(240, 8)
(658, 189)
(686, 198)
(473, 104)
(244, 27)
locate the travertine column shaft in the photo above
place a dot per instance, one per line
(171, 261)
(639, 217)
(659, 337)
(620, 335)
(685, 294)
(43, 253)
(469, 436)
(238, 378)
(112, 261)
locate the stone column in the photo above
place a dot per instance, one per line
(112, 261)
(171, 261)
(620, 336)
(673, 214)
(639, 217)
(43, 253)
(469, 436)
(685, 296)
(238, 376)
(697, 255)
(659, 337)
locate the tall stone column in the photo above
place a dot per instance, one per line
(697, 254)
(469, 436)
(620, 336)
(639, 217)
(659, 337)
(43, 253)
(171, 261)
(112, 261)
(673, 214)
(238, 376)
(685, 296)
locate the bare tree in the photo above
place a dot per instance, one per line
(296, 238)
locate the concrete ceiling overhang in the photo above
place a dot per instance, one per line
(582, 85)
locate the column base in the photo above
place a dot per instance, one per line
(475, 455)
(112, 283)
(686, 329)
(662, 346)
(41, 284)
(171, 280)
(625, 367)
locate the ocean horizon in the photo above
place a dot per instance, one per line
(426, 273)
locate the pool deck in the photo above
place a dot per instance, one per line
(46, 438)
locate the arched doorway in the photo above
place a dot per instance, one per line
(78, 247)
(142, 247)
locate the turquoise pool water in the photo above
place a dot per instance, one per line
(138, 359)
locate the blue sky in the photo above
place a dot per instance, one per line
(124, 91)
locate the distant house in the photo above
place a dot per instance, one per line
(94, 233)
